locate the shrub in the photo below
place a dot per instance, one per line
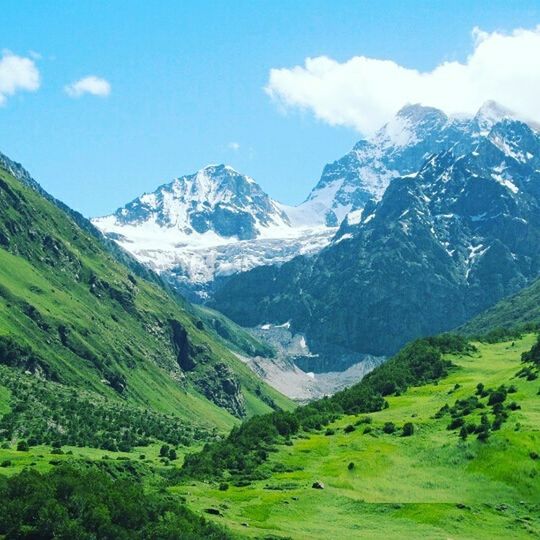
(6, 463)
(350, 466)
(498, 396)
(389, 427)
(22, 446)
(456, 423)
(348, 429)
(483, 436)
(223, 486)
(533, 356)
(408, 429)
(329, 432)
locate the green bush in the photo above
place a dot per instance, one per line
(389, 428)
(22, 446)
(408, 429)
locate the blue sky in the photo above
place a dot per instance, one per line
(187, 79)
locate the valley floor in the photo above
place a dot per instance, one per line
(429, 485)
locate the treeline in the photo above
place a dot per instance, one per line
(247, 447)
(503, 333)
(43, 412)
(88, 504)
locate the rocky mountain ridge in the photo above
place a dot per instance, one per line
(442, 244)
(217, 222)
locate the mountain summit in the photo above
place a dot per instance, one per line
(214, 222)
(217, 199)
(397, 149)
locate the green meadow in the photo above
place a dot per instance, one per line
(431, 484)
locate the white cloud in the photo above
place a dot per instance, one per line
(17, 73)
(363, 92)
(96, 86)
(234, 146)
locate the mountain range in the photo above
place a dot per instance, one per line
(442, 244)
(217, 222)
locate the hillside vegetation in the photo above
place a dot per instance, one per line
(519, 309)
(72, 315)
(454, 457)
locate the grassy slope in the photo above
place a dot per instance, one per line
(523, 307)
(132, 341)
(401, 487)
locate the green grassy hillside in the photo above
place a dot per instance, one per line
(434, 483)
(521, 308)
(72, 314)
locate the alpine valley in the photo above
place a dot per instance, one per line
(209, 363)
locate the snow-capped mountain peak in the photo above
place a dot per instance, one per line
(214, 222)
(216, 199)
(491, 113)
(399, 149)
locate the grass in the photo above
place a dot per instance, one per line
(429, 485)
(40, 457)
